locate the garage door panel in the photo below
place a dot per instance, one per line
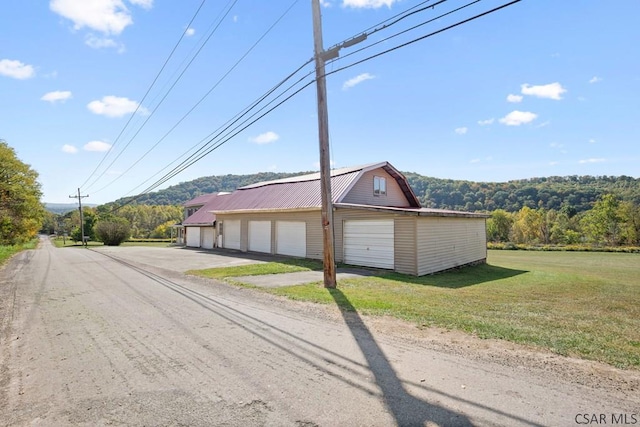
(260, 236)
(291, 238)
(369, 243)
(193, 237)
(208, 237)
(231, 234)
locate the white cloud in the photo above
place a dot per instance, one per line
(592, 141)
(101, 42)
(190, 32)
(69, 149)
(97, 146)
(486, 122)
(367, 4)
(325, 3)
(595, 79)
(475, 161)
(16, 69)
(517, 118)
(554, 163)
(584, 161)
(357, 80)
(106, 16)
(146, 4)
(114, 106)
(556, 145)
(461, 131)
(265, 138)
(56, 95)
(550, 91)
(514, 98)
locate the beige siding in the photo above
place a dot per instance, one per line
(312, 220)
(445, 243)
(362, 191)
(405, 245)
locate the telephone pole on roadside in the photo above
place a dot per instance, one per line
(79, 197)
(325, 158)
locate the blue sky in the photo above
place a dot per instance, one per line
(536, 89)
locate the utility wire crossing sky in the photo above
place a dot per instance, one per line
(121, 97)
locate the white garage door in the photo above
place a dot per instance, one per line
(260, 236)
(207, 237)
(369, 243)
(291, 238)
(231, 234)
(193, 237)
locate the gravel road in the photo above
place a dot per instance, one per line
(115, 337)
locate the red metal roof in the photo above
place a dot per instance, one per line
(204, 216)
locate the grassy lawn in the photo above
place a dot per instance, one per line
(59, 242)
(573, 303)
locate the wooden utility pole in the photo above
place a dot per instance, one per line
(325, 158)
(79, 197)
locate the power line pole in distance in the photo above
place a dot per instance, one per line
(79, 197)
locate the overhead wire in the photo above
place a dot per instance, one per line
(237, 130)
(235, 65)
(230, 5)
(166, 61)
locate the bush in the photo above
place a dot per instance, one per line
(113, 232)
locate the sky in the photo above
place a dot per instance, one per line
(118, 97)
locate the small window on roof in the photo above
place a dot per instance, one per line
(379, 186)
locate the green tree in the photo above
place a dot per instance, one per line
(21, 212)
(630, 214)
(499, 226)
(602, 224)
(113, 232)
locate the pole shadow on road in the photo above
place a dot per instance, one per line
(407, 410)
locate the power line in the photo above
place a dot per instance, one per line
(167, 93)
(201, 99)
(147, 92)
(185, 164)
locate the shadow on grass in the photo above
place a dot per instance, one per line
(406, 409)
(454, 279)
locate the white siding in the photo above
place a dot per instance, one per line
(291, 238)
(445, 243)
(231, 234)
(193, 237)
(208, 237)
(260, 236)
(369, 243)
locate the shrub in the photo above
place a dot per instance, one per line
(113, 232)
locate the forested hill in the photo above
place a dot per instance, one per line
(575, 192)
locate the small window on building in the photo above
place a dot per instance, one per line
(220, 228)
(379, 186)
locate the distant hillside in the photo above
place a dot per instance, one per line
(63, 208)
(577, 193)
(185, 191)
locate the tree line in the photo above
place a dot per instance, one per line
(131, 221)
(610, 222)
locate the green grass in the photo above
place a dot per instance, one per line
(59, 242)
(579, 304)
(283, 266)
(7, 252)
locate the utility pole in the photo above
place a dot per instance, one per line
(325, 158)
(79, 197)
